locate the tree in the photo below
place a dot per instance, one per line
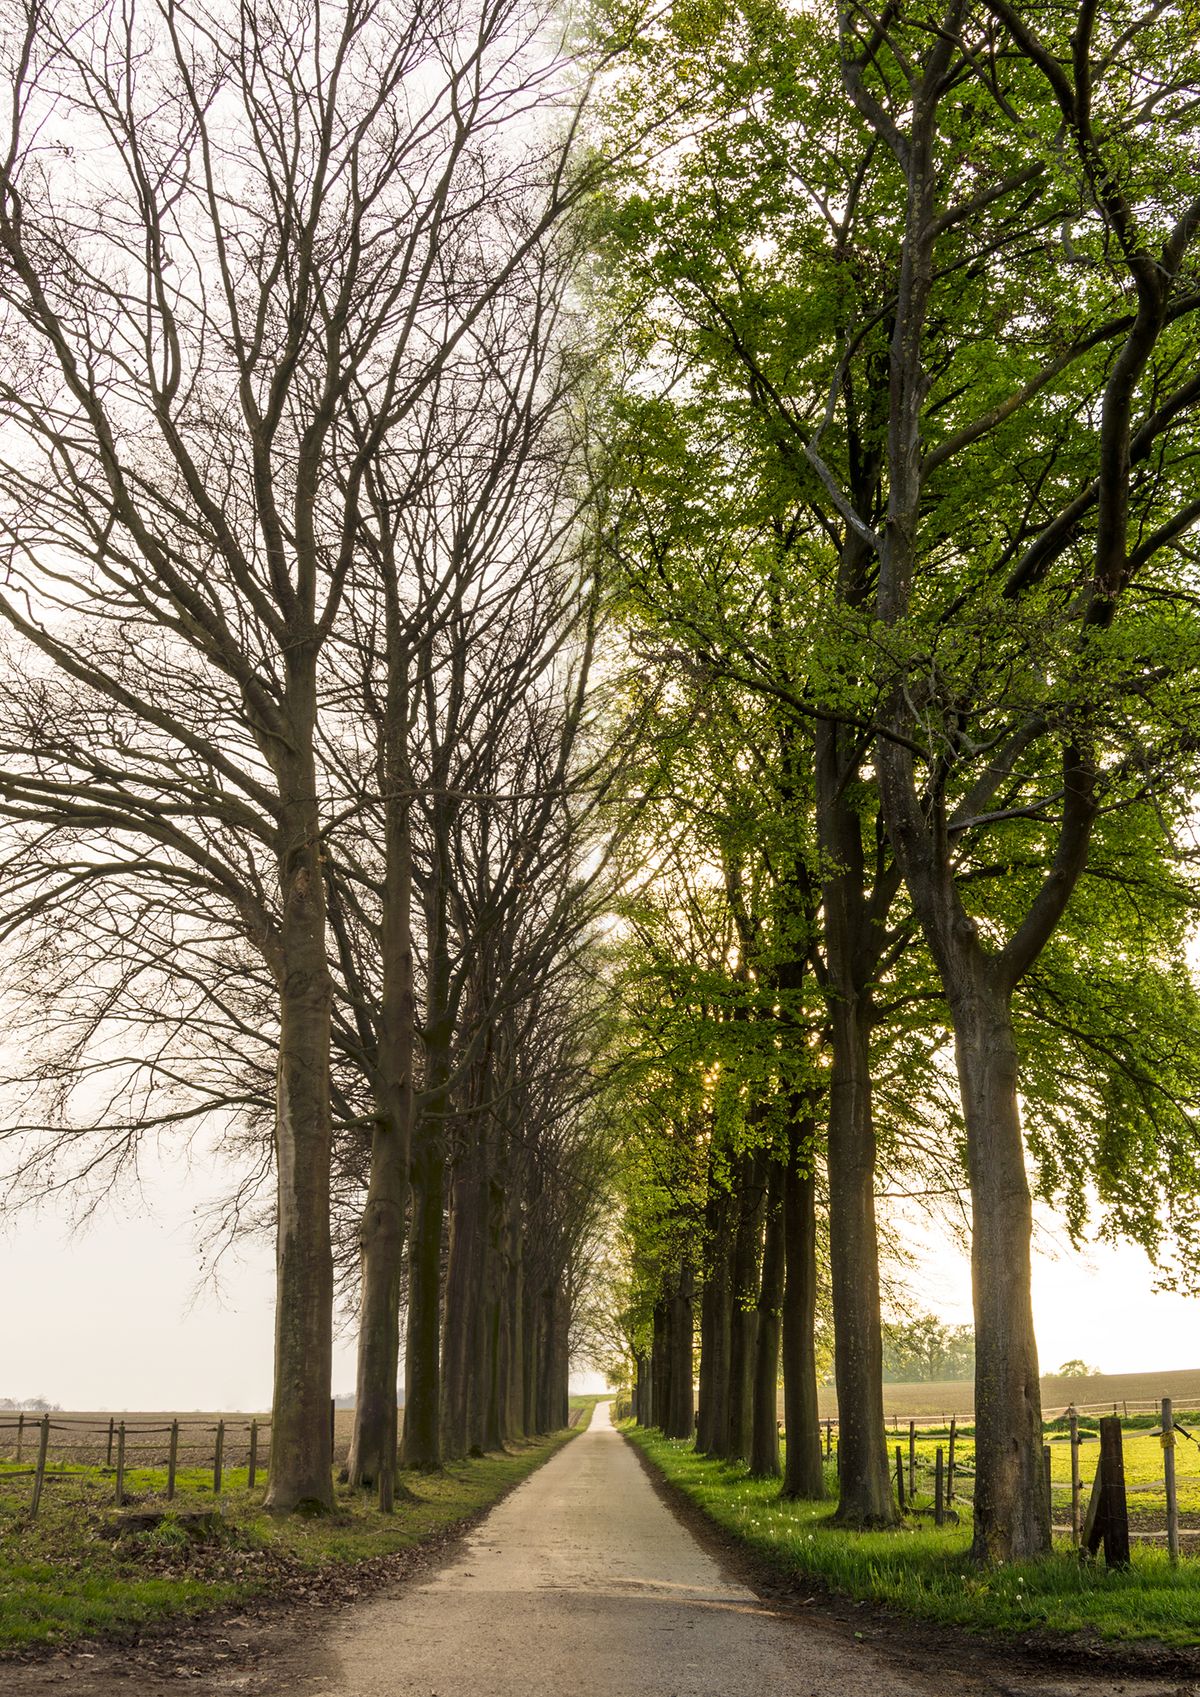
(920, 1346)
(1025, 737)
(909, 513)
(218, 338)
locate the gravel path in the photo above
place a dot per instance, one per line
(584, 1581)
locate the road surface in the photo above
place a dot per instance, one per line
(582, 1581)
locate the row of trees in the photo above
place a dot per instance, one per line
(921, 1347)
(298, 753)
(906, 531)
(333, 504)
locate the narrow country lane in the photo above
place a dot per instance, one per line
(583, 1581)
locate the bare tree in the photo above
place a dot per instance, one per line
(229, 273)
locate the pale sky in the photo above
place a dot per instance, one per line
(112, 1317)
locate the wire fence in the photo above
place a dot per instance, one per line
(55, 1449)
(934, 1466)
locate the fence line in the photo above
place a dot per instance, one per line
(208, 1447)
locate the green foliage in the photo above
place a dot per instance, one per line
(748, 269)
(920, 1347)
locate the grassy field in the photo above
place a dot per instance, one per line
(85, 1568)
(582, 1406)
(925, 1572)
(1098, 1392)
(1144, 1479)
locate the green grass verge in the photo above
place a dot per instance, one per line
(76, 1572)
(926, 1572)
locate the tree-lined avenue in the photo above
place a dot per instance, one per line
(583, 1579)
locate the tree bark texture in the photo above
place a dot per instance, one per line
(803, 1472)
(679, 1418)
(716, 1321)
(374, 1446)
(301, 1469)
(750, 1201)
(1012, 1509)
(852, 951)
(764, 1433)
(422, 1365)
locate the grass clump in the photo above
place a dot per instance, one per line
(926, 1572)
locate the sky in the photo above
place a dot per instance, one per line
(120, 1315)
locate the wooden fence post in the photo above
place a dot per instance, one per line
(120, 1464)
(828, 1439)
(218, 1458)
(20, 1433)
(111, 1429)
(900, 1478)
(950, 1460)
(1073, 1427)
(939, 1497)
(172, 1459)
(39, 1478)
(912, 1459)
(1168, 1443)
(1116, 1508)
(1107, 1517)
(253, 1468)
(1046, 1463)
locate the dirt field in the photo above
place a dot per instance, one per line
(80, 1437)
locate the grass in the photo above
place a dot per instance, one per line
(1144, 1476)
(926, 1573)
(78, 1572)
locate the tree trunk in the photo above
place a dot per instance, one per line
(1012, 1511)
(716, 1318)
(530, 1358)
(301, 1468)
(645, 1391)
(492, 1402)
(373, 1448)
(852, 951)
(381, 1240)
(764, 1431)
(464, 1293)
(750, 1200)
(679, 1416)
(562, 1362)
(514, 1351)
(546, 1388)
(803, 1473)
(660, 1364)
(422, 1365)
(865, 1497)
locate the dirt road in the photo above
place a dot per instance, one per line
(583, 1580)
